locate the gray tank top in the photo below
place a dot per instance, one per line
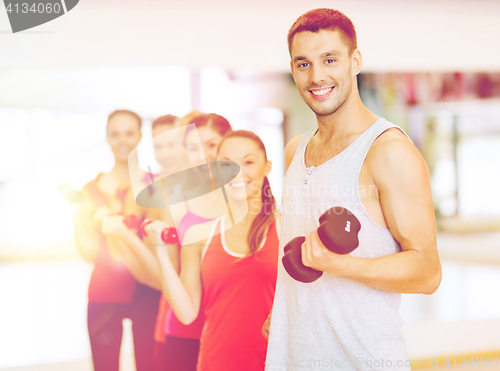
(334, 323)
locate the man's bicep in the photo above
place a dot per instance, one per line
(402, 178)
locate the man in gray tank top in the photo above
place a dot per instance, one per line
(349, 318)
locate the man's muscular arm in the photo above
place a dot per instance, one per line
(402, 178)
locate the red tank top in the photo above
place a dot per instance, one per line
(238, 296)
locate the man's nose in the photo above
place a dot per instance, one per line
(318, 75)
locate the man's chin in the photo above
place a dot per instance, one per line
(323, 112)
(326, 111)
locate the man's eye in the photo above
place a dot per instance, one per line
(330, 60)
(303, 65)
(248, 162)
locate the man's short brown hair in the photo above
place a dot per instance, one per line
(324, 19)
(164, 120)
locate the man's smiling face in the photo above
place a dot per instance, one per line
(322, 67)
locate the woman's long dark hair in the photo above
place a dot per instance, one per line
(266, 214)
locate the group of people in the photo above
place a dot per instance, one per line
(217, 291)
(217, 297)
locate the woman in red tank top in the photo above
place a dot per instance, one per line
(234, 270)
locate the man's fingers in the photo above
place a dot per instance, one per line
(317, 241)
(306, 252)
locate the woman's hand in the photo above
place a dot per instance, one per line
(113, 225)
(100, 213)
(153, 231)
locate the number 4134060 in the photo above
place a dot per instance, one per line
(35, 8)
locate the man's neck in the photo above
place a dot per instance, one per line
(352, 118)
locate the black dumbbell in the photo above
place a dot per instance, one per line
(338, 231)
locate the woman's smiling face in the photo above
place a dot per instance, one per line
(253, 164)
(123, 135)
(203, 150)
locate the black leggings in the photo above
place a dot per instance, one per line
(104, 323)
(177, 354)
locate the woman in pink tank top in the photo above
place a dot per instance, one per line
(179, 351)
(232, 273)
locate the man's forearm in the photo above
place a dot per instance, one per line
(405, 272)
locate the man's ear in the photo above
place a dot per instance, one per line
(357, 61)
(292, 70)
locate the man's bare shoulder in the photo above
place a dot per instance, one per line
(290, 150)
(393, 155)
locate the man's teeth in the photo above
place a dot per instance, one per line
(321, 92)
(238, 185)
